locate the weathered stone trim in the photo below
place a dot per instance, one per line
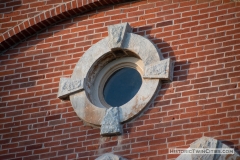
(208, 142)
(110, 156)
(96, 56)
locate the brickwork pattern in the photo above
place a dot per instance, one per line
(35, 23)
(13, 12)
(202, 37)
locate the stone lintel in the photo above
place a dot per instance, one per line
(162, 70)
(116, 34)
(67, 86)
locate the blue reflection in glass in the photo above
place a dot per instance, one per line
(122, 86)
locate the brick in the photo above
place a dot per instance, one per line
(206, 112)
(224, 28)
(174, 144)
(187, 115)
(199, 118)
(199, 6)
(145, 138)
(149, 153)
(176, 138)
(202, 85)
(210, 122)
(183, 132)
(7, 156)
(211, 106)
(193, 109)
(199, 17)
(179, 100)
(213, 134)
(230, 131)
(191, 125)
(210, 20)
(233, 125)
(194, 136)
(233, 91)
(204, 32)
(218, 116)
(232, 42)
(205, 74)
(232, 113)
(220, 82)
(207, 101)
(37, 146)
(190, 13)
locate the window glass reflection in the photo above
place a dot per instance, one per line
(122, 86)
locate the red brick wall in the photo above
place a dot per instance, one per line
(13, 12)
(203, 100)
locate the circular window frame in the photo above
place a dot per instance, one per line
(107, 71)
(78, 87)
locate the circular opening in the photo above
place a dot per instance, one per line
(101, 82)
(122, 86)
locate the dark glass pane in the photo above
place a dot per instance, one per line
(122, 86)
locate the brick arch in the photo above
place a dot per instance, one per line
(44, 19)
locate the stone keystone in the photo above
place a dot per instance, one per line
(110, 124)
(83, 88)
(110, 156)
(116, 34)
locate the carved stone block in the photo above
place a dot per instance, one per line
(86, 73)
(110, 124)
(204, 142)
(208, 143)
(117, 34)
(162, 70)
(110, 156)
(68, 86)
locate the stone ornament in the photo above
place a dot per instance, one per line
(110, 156)
(79, 90)
(110, 124)
(208, 142)
(69, 86)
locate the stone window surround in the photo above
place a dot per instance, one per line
(154, 69)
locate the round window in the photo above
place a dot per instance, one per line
(96, 78)
(115, 82)
(122, 86)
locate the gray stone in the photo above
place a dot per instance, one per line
(69, 86)
(162, 70)
(234, 156)
(144, 48)
(87, 111)
(184, 157)
(204, 142)
(110, 124)
(116, 34)
(109, 156)
(119, 36)
(208, 143)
